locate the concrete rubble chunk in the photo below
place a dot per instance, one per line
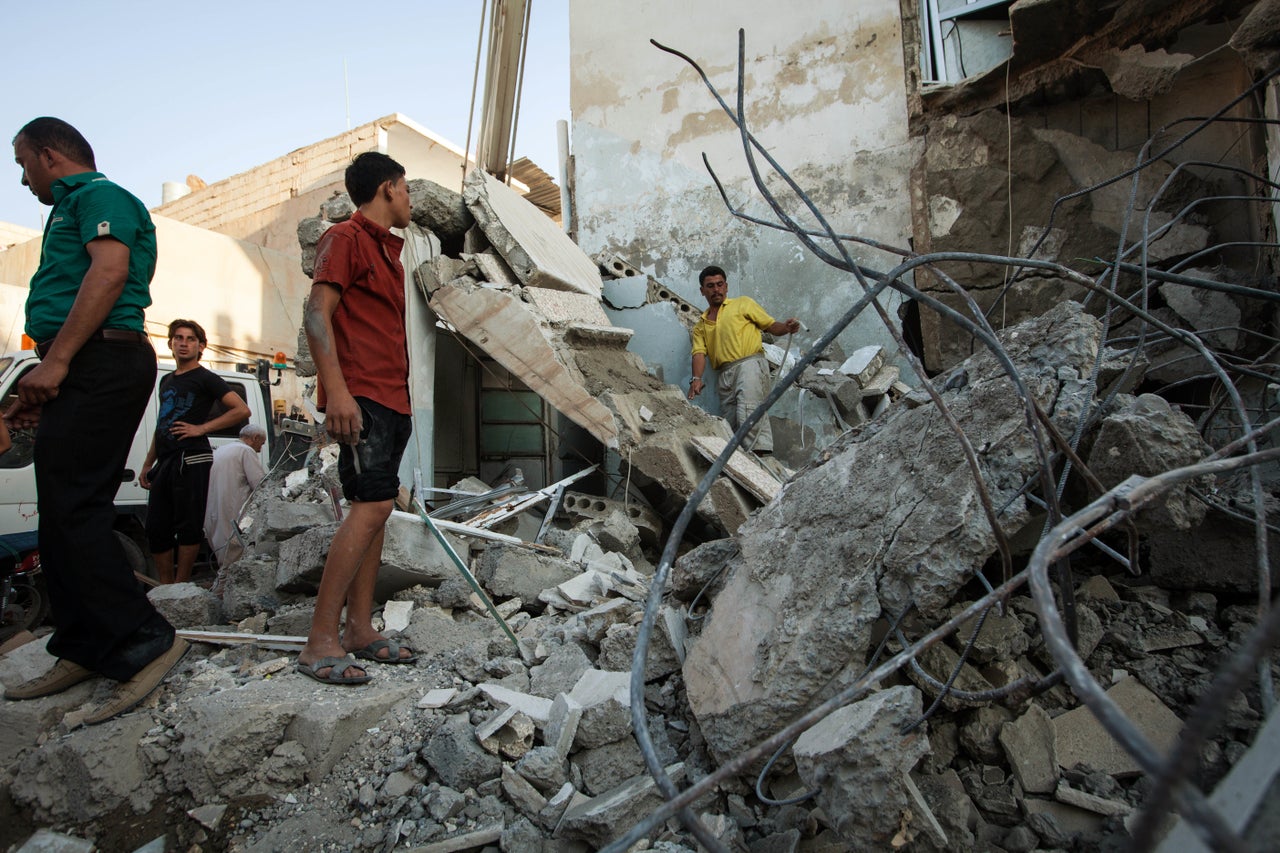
(454, 754)
(472, 840)
(775, 637)
(864, 363)
(559, 671)
(523, 795)
(1081, 739)
(286, 519)
(600, 819)
(186, 605)
(1064, 793)
(605, 767)
(562, 724)
(859, 758)
(87, 775)
(440, 210)
(1031, 750)
(594, 506)
(1145, 435)
(535, 248)
(605, 698)
(508, 733)
(396, 615)
(536, 708)
(508, 570)
(209, 815)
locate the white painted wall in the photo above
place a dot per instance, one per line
(826, 95)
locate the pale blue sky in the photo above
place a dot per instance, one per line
(167, 88)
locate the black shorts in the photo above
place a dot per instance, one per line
(179, 493)
(383, 436)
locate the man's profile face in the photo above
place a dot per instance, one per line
(35, 170)
(401, 208)
(715, 289)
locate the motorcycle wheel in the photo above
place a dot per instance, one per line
(28, 606)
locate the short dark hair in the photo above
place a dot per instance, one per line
(710, 271)
(49, 132)
(367, 172)
(193, 326)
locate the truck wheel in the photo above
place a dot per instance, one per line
(137, 559)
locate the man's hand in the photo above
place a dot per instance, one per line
(342, 419)
(40, 384)
(695, 387)
(144, 478)
(22, 415)
(182, 429)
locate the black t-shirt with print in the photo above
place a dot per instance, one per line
(186, 397)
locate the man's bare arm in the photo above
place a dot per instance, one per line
(236, 411)
(99, 290)
(342, 418)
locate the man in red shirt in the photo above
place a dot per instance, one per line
(355, 326)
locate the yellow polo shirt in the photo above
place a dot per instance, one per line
(734, 334)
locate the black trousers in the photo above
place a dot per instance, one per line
(102, 618)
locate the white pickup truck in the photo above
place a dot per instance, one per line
(18, 513)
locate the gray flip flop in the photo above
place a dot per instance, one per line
(336, 666)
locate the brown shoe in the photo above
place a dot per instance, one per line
(127, 696)
(62, 676)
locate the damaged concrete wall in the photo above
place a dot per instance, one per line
(1073, 111)
(825, 94)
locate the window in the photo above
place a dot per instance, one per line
(963, 38)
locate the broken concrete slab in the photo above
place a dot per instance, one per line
(536, 249)
(858, 758)
(605, 698)
(504, 328)
(864, 363)
(1031, 749)
(1080, 739)
(507, 571)
(88, 774)
(186, 605)
(776, 638)
(744, 470)
(602, 818)
(593, 506)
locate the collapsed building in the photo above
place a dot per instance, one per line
(1014, 594)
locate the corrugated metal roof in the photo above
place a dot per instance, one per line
(544, 192)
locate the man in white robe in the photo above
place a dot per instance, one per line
(236, 472)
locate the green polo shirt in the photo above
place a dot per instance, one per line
(85, 207)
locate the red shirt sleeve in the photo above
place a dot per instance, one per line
(334, 262)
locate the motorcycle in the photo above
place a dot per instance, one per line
(24, 601)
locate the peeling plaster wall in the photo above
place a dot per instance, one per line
(825, 94)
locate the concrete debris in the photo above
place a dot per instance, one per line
(534, 247)
(1081, 740)
(858, 758)
(770, 646)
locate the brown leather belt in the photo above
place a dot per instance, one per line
(118, 335)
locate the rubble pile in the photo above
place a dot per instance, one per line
(514, 730)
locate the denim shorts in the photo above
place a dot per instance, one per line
(383, 436)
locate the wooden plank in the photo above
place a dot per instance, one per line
(741, 468)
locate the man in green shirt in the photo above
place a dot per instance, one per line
(85, 399)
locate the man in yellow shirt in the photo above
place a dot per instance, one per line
(728, 333)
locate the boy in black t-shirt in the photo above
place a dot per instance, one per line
(177, 466)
